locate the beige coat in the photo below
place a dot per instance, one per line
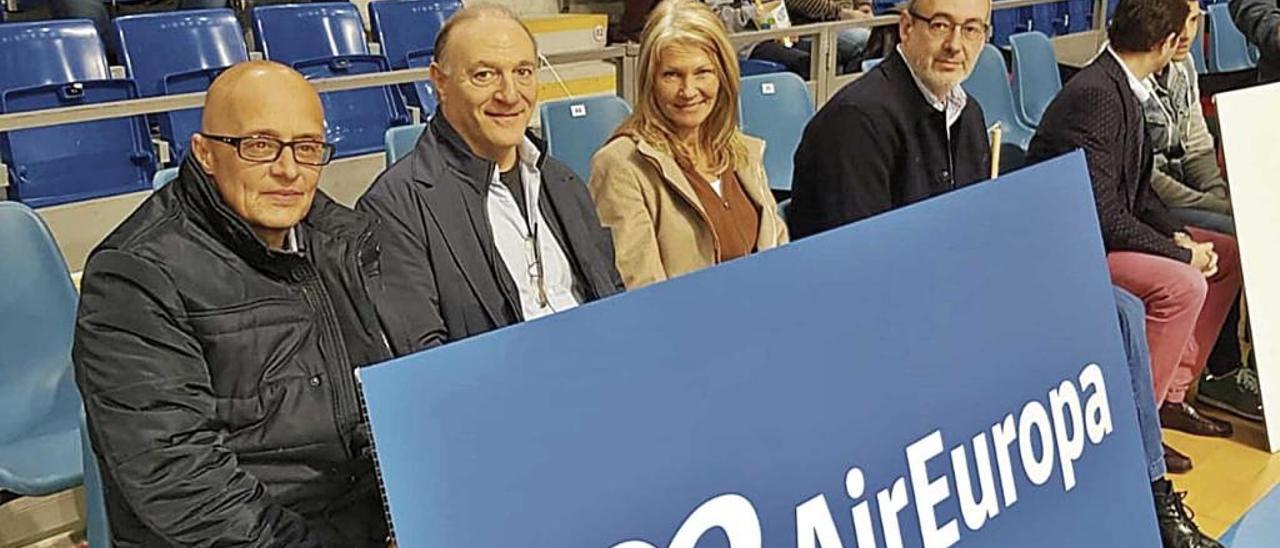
(660, 229)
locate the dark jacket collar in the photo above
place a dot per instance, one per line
(207, 210)
(1109, 66)
(899, 74)
(456, 154)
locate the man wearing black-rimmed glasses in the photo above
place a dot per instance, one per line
(218, 333)
(903, 132)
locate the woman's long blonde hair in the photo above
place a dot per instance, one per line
(688, 23)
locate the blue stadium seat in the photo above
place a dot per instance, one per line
(776, 107)
(97, 527)
(59, 64)
(423, 92)
(400, 141)
(290, 33)
(407, 31)
(752, 67)
(1228, 51)
(1197, 55)
(576, 128)
(1008, 21)
(39, 405)
(164, 177)
(71, 162)
(1050, 19)
(179, 52)
(325, 40)
(1036, 80)
(408, 27)
(50, 52)
(1079, 15)
(989, 84)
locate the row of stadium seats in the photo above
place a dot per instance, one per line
(38, 381)
(63, 63)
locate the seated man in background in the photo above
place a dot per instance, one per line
(903, 132)
(1186, 276)
(1259, 21)
(218, 333)
(850, 42)
(480, 228)
(1187, 178)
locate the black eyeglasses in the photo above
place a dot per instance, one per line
(264, 149)
(941, 26)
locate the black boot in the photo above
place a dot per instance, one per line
(1176, 528)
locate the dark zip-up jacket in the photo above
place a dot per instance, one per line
(218, 375)
(879, 145)
(444, 278)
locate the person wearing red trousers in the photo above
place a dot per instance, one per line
(1187, 277)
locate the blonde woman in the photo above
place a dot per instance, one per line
(678, 184)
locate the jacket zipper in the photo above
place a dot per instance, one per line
(343, 385)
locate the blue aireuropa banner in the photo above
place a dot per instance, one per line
(947, 374)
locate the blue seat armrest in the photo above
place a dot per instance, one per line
(338, 62)
(167, 84)
(417, 54)
(69, 93)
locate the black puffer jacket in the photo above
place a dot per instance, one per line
(218, 380)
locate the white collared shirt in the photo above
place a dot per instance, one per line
(291, 244)
(953, 104)
(1139, 88)
(516, 245)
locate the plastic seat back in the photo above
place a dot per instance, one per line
(407, 30)
(1050, 19)
(356, 120)
(1036, 80)
(576, 128)
(70, 162)
(752, 67)
(400, 140)
(97, 527)
(422, 93)
(325, 40)
(164, 177)
(292, 33)
(1006, 22)
(989, 84)
(1228, 50)
(50, 52)
(1079, 16)
(408, 26)
(39, 305)
(775, 108)
(179, 52)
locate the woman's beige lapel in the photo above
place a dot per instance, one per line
(660, 229)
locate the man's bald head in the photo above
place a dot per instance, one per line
(252, 87)
(476, 13)
(254, 111)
